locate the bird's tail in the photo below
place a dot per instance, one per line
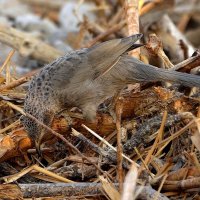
(137, 71)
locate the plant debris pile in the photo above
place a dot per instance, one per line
(149, 150)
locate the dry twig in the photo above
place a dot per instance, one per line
(27, 45)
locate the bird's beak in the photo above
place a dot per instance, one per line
(136, 38)
(135, 46)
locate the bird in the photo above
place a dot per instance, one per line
(85, 78)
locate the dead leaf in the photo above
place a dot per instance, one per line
(6, 145)
(109, 189)
(196, 135)
(10, 192)
(130, 183)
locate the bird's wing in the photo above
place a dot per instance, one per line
(88, 64)
(104, 56)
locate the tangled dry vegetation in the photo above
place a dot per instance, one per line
(151, 152)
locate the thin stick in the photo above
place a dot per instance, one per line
(15, 83)
(145, 9)
(27, 77)
(119, 144)
(8, 73)
(10, 126)
(15, 107)
(132, 19)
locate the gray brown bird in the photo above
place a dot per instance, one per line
(86, 77)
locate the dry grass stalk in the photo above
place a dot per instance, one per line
(157, 140)
(160, 187)
(7, 61)
(105, 142)
(143, 162)
(12, 178)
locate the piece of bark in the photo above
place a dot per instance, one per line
(189, 64)
(181, 185)
(77, 171)
(79, 189)
(148, 127)
(28, 45)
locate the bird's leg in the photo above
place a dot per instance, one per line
(111, 107)
(38, 145)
